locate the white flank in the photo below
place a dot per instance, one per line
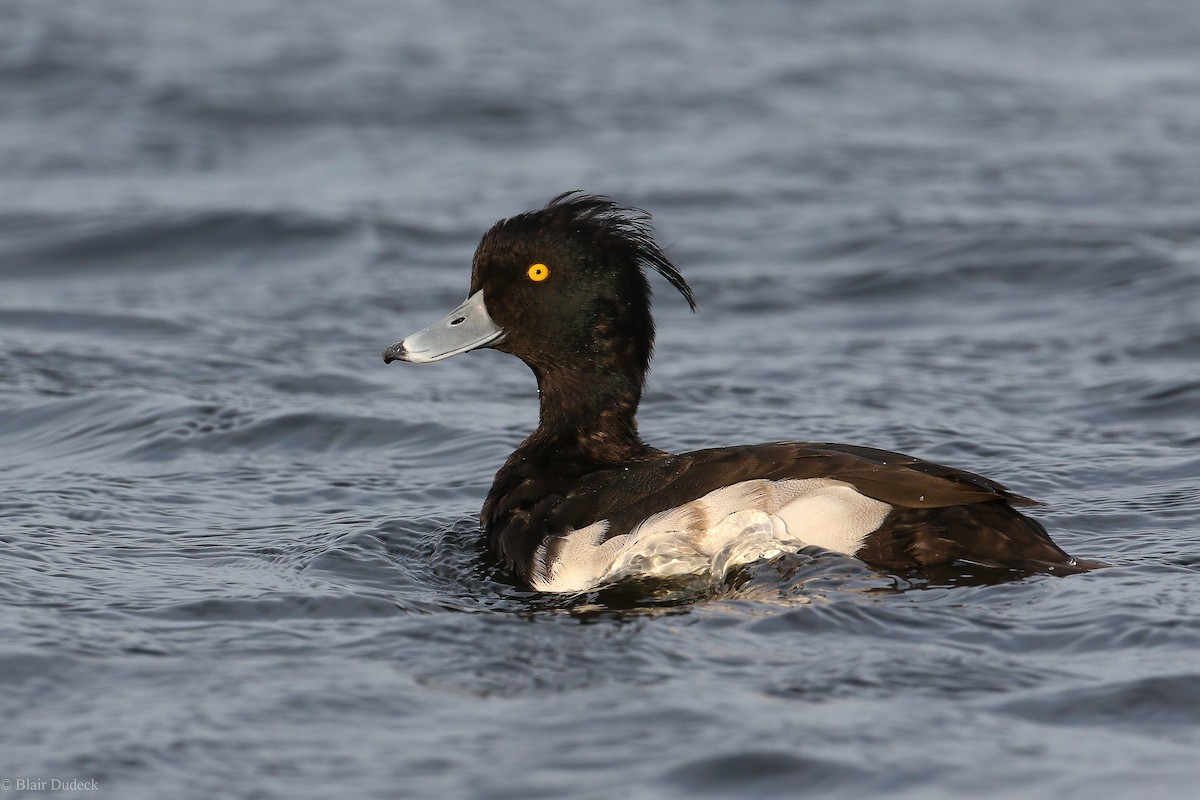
(733, 525)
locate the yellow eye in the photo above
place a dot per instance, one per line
(538, 272)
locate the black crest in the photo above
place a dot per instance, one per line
(614, 227)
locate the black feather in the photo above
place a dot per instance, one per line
(624, 227)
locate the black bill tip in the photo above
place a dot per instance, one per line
(394, 353)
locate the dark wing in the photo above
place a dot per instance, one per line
(626, 496)
(909, 482)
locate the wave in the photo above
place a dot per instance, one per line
(154, 428)
(45, 246)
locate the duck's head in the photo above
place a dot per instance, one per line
(563, 288)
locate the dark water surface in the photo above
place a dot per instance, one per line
(238, 555)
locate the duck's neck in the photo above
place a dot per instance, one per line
(590, 413)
